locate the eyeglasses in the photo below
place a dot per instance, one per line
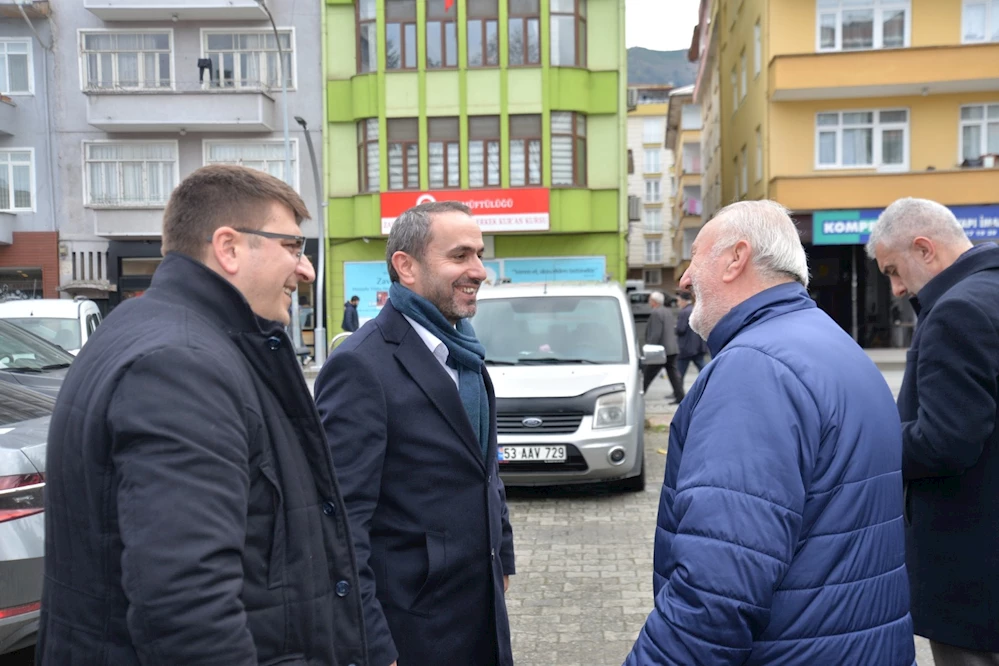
(299, 240)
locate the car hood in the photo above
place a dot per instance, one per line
(555, 381)
(29, 437)
(47, 382)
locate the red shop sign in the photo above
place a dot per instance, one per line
(494, 210)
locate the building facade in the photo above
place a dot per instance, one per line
(836, 108)
(683, 137)
(650, 179)
(512, 106)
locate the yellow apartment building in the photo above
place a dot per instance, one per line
(836, 108)
(683, 137)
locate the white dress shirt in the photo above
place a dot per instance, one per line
(436, 347)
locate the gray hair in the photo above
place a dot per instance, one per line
(769, 230)
(908, 218)
(411, 231)
(657, 297)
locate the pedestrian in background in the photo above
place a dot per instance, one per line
(661, 330)
(191, 511)
(780, 536)
(692, 346)
(410, 415)
(350, 321)
(949, 406)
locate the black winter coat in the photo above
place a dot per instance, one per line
(949, 406)
(192, 513)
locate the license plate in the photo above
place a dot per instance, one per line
(548, 454)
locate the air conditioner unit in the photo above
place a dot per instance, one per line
(632, 98)
(634, 209)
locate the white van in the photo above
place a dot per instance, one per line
(567, 371)
(61, 321)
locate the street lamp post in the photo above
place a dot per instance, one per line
(319, 333)
(296, 327)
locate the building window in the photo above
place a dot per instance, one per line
(652, 161)
(854, 139)
(484, 151)
(403, 154)
(692, 158)
(15, 67)
(692, 205)
(483, 33)
(442, 35)
(979, 131)
(568, 149)
(735, 90)
(735, 179)
(524, 25)
(980, 21)
(631, 162)
(689, 236)
(759, 154)
(130, 173)
(442, 151)
(653, 191)
(742, 75)
(654, 251)
(652, 130)
(757, 49)
(128, 60)
(851, 25)
(400, 34)
(17, 180)
(653, 223)
(250, 59)
(568, 33)
(652, 276)
(745, 171)
(367, 37)
(367, 155)
(525, 150)
(265, 156)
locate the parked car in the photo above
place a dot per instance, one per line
(24, 425)
(68, 323)
(566, 368)
(28, 360)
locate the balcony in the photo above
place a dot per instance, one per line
(183, 10)
(953, 187)
(37, 9)
(885, 73)
(189, 107)
(8, 114)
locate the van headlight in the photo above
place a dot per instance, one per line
(610, 411)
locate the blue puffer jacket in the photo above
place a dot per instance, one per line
(780, 536)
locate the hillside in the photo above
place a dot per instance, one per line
(645, 66)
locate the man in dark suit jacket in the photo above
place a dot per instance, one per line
(350, 321)
(661, 330)
(692, 346)
(949, 405)
(410, 416)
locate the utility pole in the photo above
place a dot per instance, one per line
(319, 333)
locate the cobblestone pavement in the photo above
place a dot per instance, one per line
(583, 587)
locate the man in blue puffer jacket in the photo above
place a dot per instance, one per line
(780, 536)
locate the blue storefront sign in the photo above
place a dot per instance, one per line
(369, 280)
(853, 227)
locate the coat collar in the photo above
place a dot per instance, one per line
(979, 258)
(188, 282)
(765, 305)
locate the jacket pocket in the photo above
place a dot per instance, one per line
(436, 563)
(276, 559)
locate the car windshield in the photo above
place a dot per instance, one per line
(60, 331)
(18, 404)
(20, 350)
(551, 330)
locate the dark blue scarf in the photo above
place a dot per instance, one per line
(465, 353)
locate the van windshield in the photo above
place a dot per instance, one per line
(57, 330)
(551, 330)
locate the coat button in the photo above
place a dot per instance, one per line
(329, 508)
(492, 554)
(274, 342)
(342, 588)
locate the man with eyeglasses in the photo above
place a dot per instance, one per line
(192, 512)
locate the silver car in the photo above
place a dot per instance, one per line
(566, 368)
(24, 425)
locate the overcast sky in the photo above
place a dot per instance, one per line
(660, 25)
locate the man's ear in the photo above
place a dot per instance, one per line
(226, 250)
(924, 248)
(406, 267)
(738, 260)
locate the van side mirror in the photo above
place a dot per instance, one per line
(653, 355)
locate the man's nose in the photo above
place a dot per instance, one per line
(478, 270)
(685, 281)
(305, 271)
(897, 288)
